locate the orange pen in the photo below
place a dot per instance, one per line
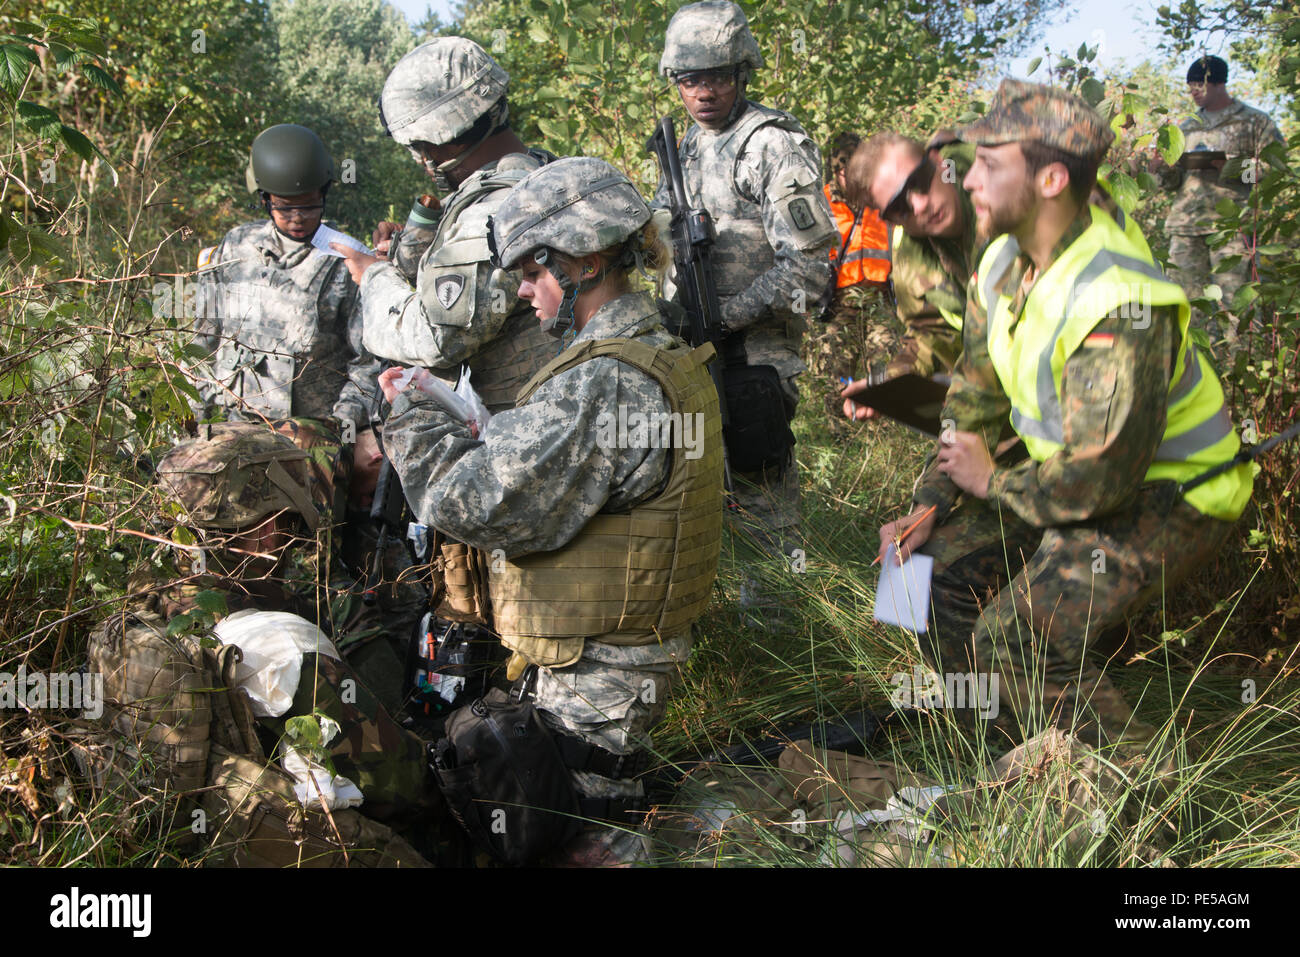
(898, 543)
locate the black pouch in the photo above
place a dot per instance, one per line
(758, 437)
(450, 664)
(502, 776)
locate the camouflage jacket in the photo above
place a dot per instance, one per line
(1109, 445)
(539, 472)
(930, 275)
(461, 309)
(760, 180)
(1238, 130)
(282, 323)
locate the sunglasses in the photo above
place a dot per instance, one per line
(918, 181)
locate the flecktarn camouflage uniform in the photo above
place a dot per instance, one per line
(759, 179)
(1241, 132)
(174, 698)
(1087, 526)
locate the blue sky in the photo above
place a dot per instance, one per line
(1124, 28)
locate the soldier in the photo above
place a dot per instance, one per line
(446, 102)
(279, 316)
(1240, 132)
(857, 327)
(599, 497)
(1073, 332)
(756, 171)
(247, 502)
(919, 194)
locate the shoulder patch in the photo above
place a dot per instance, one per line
(448, 289)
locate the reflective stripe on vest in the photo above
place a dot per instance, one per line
(866, 256)
(1100, 273)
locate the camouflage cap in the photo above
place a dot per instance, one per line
(1032, 111)
(706, 36)
(577, 205)
(236, 474)
(439, 90)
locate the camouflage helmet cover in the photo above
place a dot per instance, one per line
(577, 205)
(288, 160)
(707, 36)
(237, 473)
(439, 90)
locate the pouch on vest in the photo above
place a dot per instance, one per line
(504, 780)
(450, 663)
(758, 436)
(460, 582)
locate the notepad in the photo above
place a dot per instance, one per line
(903, 594)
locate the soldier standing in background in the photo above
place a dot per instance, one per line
(756, 172)
(859, 327)
(1229, 126)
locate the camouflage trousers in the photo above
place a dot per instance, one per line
(858, 338)
(768, 501)
(610, 697)
(371, 750)
(1193, 264)
(1068, 585)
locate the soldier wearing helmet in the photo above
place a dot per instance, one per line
(243, 493)
(437, 301)
(280, 318)
(757, 173)
(599, 496)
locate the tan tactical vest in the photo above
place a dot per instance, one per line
(633, 577)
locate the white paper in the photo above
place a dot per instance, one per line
(903, 595)
(324, 236)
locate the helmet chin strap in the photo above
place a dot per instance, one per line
(742, 81)
(560, 324)
(442, 172)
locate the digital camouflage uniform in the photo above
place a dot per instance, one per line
(930, 276)
(1086, 533)
(461, 310)
(282, 322)
(1241, 132)
(759, 180)
(859, 330)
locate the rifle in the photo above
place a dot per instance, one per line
(692, 236)
(852, 733)
(390, 510)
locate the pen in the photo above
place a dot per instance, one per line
(853, 406)
(898, 543)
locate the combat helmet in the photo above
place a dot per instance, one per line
(287, 160)
(438, 92)
(708, 36)
(235, 474)
(576, 206)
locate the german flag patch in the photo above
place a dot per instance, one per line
(1099, 340)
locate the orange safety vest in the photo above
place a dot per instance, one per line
(866, 255)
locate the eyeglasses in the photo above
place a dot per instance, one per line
(918, 181)
(718, 81)
(298, 212)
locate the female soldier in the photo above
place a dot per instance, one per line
(598, 497)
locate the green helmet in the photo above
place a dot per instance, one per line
(287, 160)
(708, 36)
(235, 474)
